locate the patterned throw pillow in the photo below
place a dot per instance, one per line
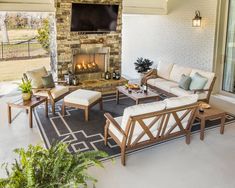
(198, 82)
(48, 81)
(185, 82)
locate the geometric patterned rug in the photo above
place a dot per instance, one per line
(87, 136)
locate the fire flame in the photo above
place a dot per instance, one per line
(86, 66)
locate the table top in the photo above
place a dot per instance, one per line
(137, 94)
(30, 103)
(210, 112)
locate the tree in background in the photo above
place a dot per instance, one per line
(3, 26)
(44, 35)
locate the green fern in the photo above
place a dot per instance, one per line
(38, 167)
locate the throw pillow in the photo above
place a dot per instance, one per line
(198, 82)
(36, 75)
(185, 82)
(48, 81)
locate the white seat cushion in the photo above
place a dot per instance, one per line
(56, 92)
(208, 75)
(177, 71)
(164, 70)
(154, 80)
(83, 97)
(165, 85)
(114, 130)
(181, 92)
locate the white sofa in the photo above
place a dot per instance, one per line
(169, 76)
(149, 123)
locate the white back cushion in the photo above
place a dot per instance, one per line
(177, 72)
(177, 102)
(164, 70)
(208, 75)
(180, 101)
(36, 76)
(141, 109)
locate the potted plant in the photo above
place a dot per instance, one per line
(142, 66)
(38, 167)
(26, 89)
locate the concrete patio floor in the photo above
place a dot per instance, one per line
(202, 164)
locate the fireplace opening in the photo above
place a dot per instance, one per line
(89, 63)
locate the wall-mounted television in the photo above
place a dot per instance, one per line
(94, 18)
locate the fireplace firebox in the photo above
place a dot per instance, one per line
(90, 62)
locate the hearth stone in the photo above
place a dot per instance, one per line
(102, 85)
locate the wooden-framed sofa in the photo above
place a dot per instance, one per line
(146, 124)
(169, 75)
(54, 94)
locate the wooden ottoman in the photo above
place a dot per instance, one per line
(82, 99)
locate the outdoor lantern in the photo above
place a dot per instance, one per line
(197, 20)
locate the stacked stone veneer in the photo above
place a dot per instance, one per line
(68, 41)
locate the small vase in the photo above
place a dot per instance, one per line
(141, 76)
(26, 96)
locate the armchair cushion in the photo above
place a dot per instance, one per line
(56, 92)
(36, 77)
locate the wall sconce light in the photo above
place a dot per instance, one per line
(197, 20)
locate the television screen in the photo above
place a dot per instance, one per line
(94, 17)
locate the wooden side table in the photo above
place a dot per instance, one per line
(28, 106)
(208, 114)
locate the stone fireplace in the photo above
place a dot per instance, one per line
(88, 55)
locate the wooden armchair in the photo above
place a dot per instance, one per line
(53, 94)
(135, 131)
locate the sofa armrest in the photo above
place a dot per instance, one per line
(149, 75)
(200, 90)
(110, 118)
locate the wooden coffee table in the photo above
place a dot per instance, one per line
(211, 113)
(28, 106)
(137, 97)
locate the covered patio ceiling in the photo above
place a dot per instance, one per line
(129, 6)
(27, 5)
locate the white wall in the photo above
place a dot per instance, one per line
(171, 38)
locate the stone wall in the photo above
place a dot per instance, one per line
(67, 41)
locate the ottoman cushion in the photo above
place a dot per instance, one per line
(83, 97)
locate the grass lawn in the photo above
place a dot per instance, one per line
(20, 34)
(13, 70)
(22, 50)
